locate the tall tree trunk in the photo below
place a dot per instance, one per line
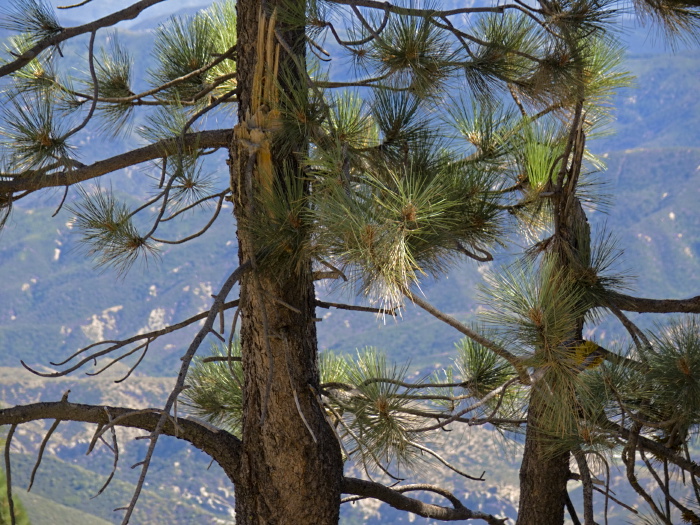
(543, 473)
(291, 468)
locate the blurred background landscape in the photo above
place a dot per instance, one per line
(53, 301)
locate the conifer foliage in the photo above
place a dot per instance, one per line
(364, 178)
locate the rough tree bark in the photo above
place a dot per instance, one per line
(543, 475)
(544, 470)
(291, 467)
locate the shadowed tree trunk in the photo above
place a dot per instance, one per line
(544, 471)
(543, 474)
(291, 466)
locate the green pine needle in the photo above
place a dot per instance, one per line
(108, 232)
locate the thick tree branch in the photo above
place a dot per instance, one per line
(424, 13)
(222, 446)
(36, 180)
(128, 13)
(657, 306)
(395, 498)
(651, 446)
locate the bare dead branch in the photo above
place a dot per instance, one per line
(657, 306)
(395, 498)
(341, 306)
(658, 449)
(446, 463)
(117, 344)
(67, 33)
(180, 383)
(484, 257)
(221, 358)
(115, 451)
(40, 454)
(222, 446)
(515, 361)
(33, 180)
(8, 473)
(628, 458)
(60, 204)
(664, 488)
(95, 88)
(79, 4)
(200, 232)
(424, 13)
(195, 204)
(587, 484)
(483, 401)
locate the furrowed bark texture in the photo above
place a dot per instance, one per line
(545, 471)
(543, 475)
(291, 467)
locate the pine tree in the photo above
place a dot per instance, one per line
(359, 181)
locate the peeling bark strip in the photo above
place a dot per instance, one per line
(291, 466)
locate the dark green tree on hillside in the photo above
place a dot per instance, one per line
(460, 129)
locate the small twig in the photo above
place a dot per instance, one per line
(221, 358)
(484, 257)
(668, 499)
(101, 429)
(294, 390)
(115, 451)
(496, 391)
(117, 359)
(316, 49)
(146, 204)
(446, 463)
(515, 361)
(180, 383)
(116, 344)
(341, 306)
(63, 200)
(628, 458)
(195, 204)
(95, 88)
(163, 171)
(607, 492)
(217, 335)
(8, 473)
(79, 4)
(200, 232)
(40, 454)
(637, 335)
(283, 303)
(516, 99)
(137, 363)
